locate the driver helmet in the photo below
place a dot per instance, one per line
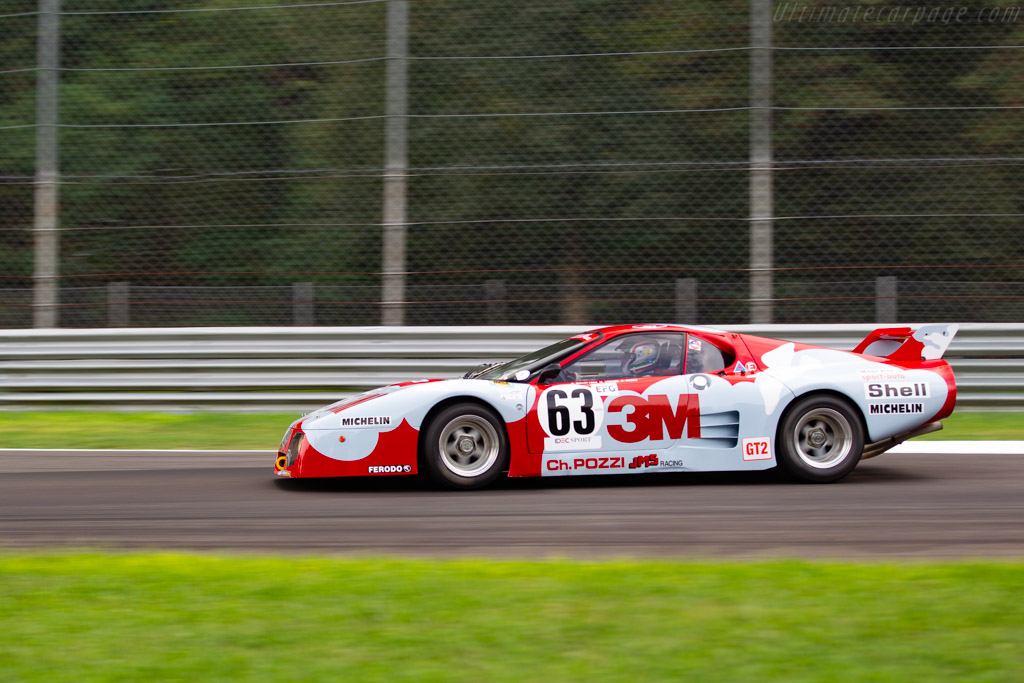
(642, 356)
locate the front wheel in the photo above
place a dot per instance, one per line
(820, 439)
(465, 447)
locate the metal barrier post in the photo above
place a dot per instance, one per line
(118, 304)
(302, 304)
(686, 301)
(495, 294)
(886, 299)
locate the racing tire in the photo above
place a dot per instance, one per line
(465, 447)
(820, 439)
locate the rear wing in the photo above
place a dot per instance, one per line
(928, 342)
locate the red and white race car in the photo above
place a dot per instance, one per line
(641, 398)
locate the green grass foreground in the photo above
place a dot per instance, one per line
(73, 429)
(184, 617)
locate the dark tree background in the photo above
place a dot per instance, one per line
(570, 160)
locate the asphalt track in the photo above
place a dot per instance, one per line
(894, 506)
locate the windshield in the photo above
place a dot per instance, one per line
(534, 361)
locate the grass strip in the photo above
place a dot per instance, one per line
(84, 617)
(74, 429)
(980, 427)
(79, 429)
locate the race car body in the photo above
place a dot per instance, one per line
(641, 398)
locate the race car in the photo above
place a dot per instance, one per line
(640, 398)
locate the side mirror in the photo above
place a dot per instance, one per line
(549, 374)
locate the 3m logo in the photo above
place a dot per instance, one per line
(654, 418)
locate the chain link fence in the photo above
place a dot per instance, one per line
(279, 162)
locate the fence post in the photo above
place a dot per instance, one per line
(761, 210)
(395, 164)
(886, 301)
(44, 279)
(494, 293)
(302, 304)
(686, 301)
(118, 304)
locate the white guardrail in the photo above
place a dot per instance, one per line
(231, 369)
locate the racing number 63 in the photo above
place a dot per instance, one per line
(559, 416)
(574, 410)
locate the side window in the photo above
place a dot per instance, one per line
(632, 355)
(703, 356)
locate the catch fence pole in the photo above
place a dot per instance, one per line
(393, 259)
(47, 187)
(761, 210)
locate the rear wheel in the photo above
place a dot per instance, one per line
(465, 446)
(820, 439)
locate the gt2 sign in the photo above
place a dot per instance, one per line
(757, 449)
